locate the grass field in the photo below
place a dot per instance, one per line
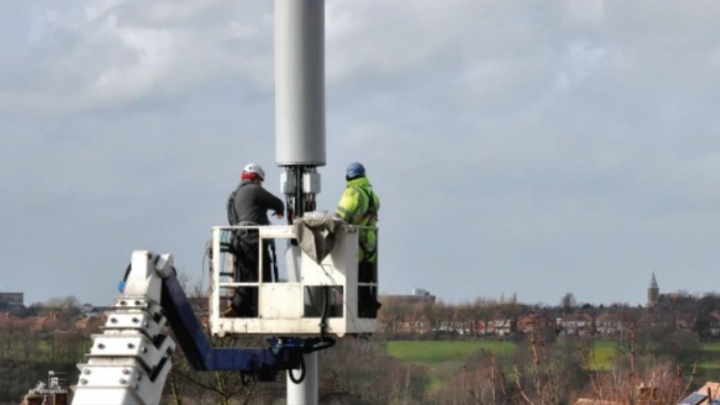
(443, 358)
(710, 360)
(432, 353)
(603, 354)
(442, 355)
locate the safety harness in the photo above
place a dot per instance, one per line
(243, 235)
(231, 212)
(370, 214)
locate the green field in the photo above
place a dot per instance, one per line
(603, 355)
(432, 352)
(443, 358)
(441, 355)
(711, 357)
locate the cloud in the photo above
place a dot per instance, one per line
(118, 52)
(537, 148)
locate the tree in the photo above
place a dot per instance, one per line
(392, 314)
(568, 303)
(665, 382)
(377, 379)
(64, 306)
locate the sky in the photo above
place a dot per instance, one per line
(536, 147)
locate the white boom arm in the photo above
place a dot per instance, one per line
(129, 362)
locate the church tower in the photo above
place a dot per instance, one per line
(653, 291)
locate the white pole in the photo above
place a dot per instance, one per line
(300, 121)
(305, 393)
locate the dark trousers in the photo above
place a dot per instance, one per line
(245, 301)
(368, 304)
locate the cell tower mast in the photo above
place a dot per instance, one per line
(300, 131)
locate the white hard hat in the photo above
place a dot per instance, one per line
(255, 168)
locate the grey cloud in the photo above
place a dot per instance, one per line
(81, 58)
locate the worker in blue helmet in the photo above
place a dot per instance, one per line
(359, 205)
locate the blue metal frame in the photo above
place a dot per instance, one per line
(264, 363)
(693, 399)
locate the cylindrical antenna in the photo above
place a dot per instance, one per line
(300, 82)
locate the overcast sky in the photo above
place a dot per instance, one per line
(537, 147)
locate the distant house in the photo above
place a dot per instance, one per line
(685, 321)
(576, 325)
(86, 309)
(536, 323)
(90, 325)
(659, 320)
(89, 310)
(47, 323)
(668, 298)
(6, 319)
(713, 323)
(500, 326)
(418, 296)
(421, 325)
(612, 324)
(14, 324)
(461, 327)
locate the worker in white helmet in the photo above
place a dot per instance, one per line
(248, 205)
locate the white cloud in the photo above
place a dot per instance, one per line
(155, 50)
(111, 59)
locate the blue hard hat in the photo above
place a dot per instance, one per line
(355, 169)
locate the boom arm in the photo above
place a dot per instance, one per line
(129, 362)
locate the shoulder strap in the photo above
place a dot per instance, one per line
(231, 213)
(371, 211)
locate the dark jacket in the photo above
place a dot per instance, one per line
(252, 202)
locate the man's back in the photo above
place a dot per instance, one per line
(252, 203)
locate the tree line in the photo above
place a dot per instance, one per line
(542, 368)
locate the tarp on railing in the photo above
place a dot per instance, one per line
(316, 235)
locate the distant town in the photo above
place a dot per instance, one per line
(674, 329)
(402, 315)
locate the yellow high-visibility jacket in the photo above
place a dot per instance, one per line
(359, 205)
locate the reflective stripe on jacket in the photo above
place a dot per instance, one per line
(359, 205)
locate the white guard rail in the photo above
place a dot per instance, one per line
(285, 308)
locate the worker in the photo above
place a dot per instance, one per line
(359, 205)
(248, 205)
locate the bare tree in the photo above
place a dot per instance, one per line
(362, 370)
(568, 303)
(637, 378)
